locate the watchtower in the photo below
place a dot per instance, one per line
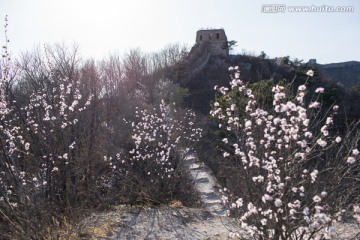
(215, 38)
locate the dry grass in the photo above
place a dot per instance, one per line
(61, 230)
(176, 204)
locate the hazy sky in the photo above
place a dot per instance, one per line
(101, 27)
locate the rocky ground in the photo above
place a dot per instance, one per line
(171, 222)
(156, 223)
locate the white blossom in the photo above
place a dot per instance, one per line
(263, 222)
(316, 199)
(314, 105)
(355, 152)
(278, 202)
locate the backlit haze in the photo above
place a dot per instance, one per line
(108, 26)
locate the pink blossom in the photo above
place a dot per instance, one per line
(313, 175)
(306, 122)
(356, 208)
(329, 120)
(266, 197)
(350, 160)
(308, 134)
(310, 73)
(324, 130)
(239, 202)
(319, 90)
(321, 142)
(314, 105)
(248, 124)
(302, 88)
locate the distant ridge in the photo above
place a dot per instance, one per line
(341, 64)
(346, 74)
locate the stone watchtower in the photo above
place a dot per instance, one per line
(215, 38)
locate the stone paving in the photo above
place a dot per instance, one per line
(207, 185)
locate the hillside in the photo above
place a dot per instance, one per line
(346, 74)
(203, 72)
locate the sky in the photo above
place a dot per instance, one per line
(103, 27)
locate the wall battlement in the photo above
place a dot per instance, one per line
(216, 38)
(208, 43)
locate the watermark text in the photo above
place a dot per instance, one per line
(282, 8)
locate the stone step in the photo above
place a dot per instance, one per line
(194, 166)
(204, 187)
(199, 174)
(211, 195)
(202, 180)
(217, 209)
(212, 202)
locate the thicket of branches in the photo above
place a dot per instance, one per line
(78, 134)
(288, 173)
